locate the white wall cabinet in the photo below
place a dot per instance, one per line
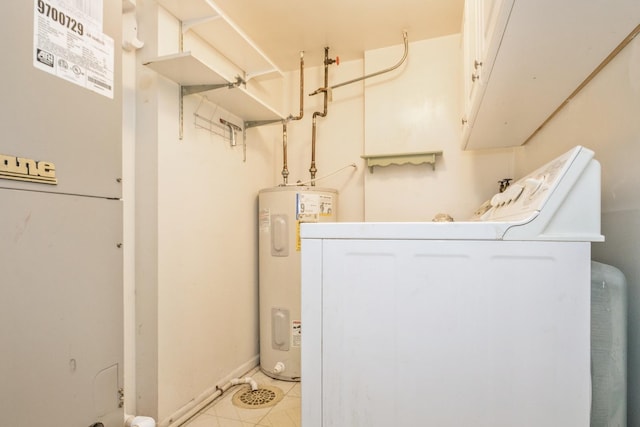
(470, 55)
(484, 21)
(523, 59)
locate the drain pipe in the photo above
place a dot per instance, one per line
(138, 421)
(194, 406)
(285, 171)
(202, 401)
(327, 62)
(245, 380)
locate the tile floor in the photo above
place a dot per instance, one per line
(223, 413)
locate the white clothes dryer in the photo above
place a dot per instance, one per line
(449, 324)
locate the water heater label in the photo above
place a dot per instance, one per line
(307, 206)
(312, 205)
(296, 333)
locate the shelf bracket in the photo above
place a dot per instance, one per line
(428, 157)
(186, 90)
(252, 124)
(256, 123)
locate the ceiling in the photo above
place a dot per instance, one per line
(284, 28)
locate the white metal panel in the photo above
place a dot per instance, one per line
(448, 333)
(46, 118)
(61, 310)
(311, 351)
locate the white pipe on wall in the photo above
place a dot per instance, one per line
(195, 406)
(245, 380)
(138, 421)
(202, 401)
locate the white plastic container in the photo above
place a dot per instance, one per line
(608, 346)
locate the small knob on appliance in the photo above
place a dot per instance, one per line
(497, 199)
(513, 192)
(534, 184)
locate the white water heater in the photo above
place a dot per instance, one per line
(281, 210)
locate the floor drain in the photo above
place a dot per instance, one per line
(263, 397)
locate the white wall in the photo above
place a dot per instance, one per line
(604, 118)
(196, 239)
(416, 108)
(195, 203)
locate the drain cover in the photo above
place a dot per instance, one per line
(263, 397)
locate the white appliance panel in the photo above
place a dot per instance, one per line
(411, 338)
(61, 313)
(46, 118)
(479, 323)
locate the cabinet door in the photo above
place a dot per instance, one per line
(492, 19)
(484, 23)
(471, 52)
(535, 54)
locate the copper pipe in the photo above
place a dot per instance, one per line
(299, 116)
(326, 87)
(313, 169)
(285, 171)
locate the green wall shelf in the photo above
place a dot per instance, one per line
(428, 157)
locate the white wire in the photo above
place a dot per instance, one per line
(352, 165)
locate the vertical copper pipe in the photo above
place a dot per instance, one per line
(285, 171)
(313, 170)
(299, 116)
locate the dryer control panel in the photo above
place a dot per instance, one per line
(525, 198)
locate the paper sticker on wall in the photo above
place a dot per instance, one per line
(296, 333)
(69, 43)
